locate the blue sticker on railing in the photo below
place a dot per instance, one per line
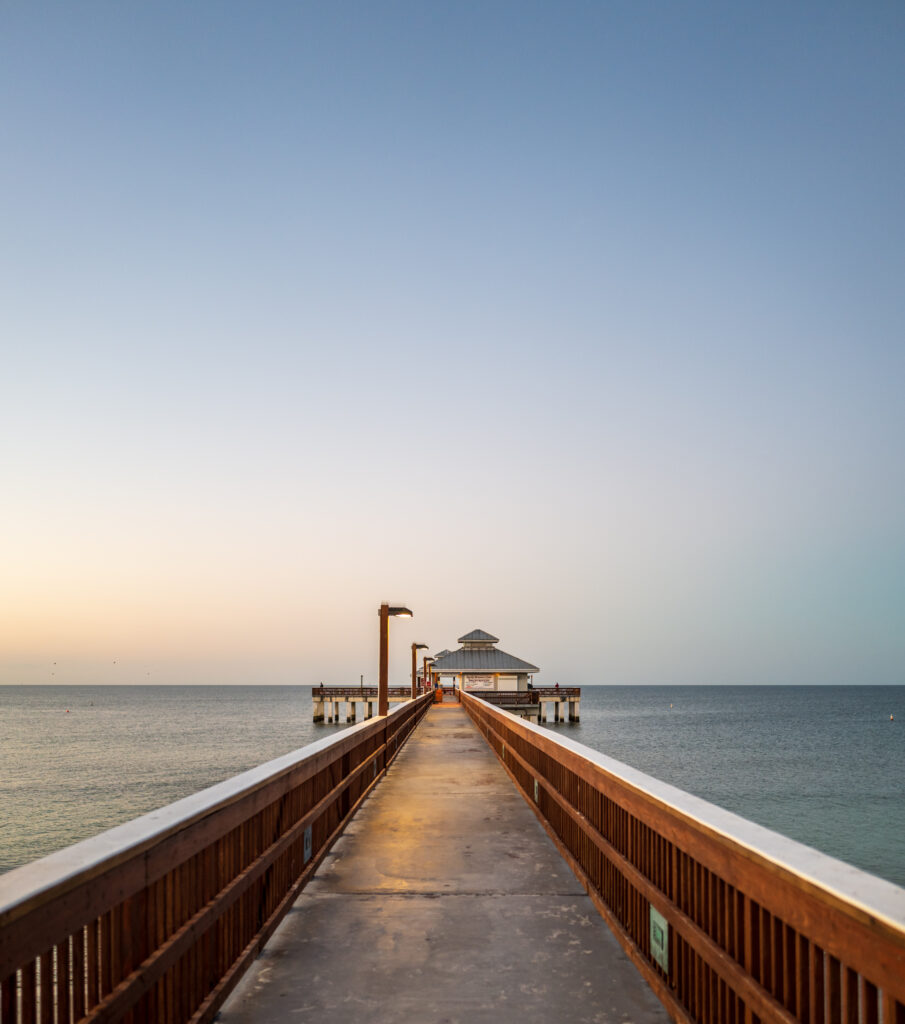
(659, 940)
(307, 850)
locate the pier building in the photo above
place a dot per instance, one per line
(479, 665)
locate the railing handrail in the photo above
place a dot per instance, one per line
(355, 691)
(31, 886)
(875, 895)
(852, 915)
(26, 887)
(505, 696)
(553, 691)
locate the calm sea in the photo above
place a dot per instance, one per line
(823, 765)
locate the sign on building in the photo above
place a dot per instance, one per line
(477, 682)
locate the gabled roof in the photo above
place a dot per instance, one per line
(487, 659)
(478, 636)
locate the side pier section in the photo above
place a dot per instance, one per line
(327, 701)
(537, 703)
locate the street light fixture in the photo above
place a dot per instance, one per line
(384, 612)
(416, 647)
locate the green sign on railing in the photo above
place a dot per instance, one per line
(659, 939)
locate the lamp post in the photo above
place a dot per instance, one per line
(384, 612)
(427, 661)
(415, 647)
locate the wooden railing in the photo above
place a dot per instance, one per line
(510, 697)
(728, 921)
(534, 696)
(557, 691)
(157, 919)
(341, 692)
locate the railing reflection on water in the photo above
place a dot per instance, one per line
(157, 919)
(753, 926)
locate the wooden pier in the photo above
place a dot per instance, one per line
(422, 887)
(436, 906)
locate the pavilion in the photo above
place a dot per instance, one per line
(479, 665)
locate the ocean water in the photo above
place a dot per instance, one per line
(824, 765)
(75, 760)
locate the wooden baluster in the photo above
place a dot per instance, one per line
(78, 975)
(126, 946)
(8, 999)
(45, 988)
(777, 961)
(834, 972)
(706, 992)
(715, 1015)
(93, 962)
(29, 997)
(750, 919)
(816, 971)
(63, 957)
(210, 881)
(106, 954)
(703, 1004)
(696, 1001)
(870, 1002)
(158, 925)
(185, 961)
(768, 963)
(724, 904)
(691, 967)
(169, 992)
(708, 927)
(194, 986)
(790, 973)
(802, 988)
(849, 995)
(181, 980)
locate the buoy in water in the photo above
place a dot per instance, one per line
(891, 718)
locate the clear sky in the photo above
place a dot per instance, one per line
(580, 323)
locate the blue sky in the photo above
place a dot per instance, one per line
(581, 323)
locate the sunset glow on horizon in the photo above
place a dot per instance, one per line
(580, 324)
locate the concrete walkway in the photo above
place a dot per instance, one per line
(444, 901)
